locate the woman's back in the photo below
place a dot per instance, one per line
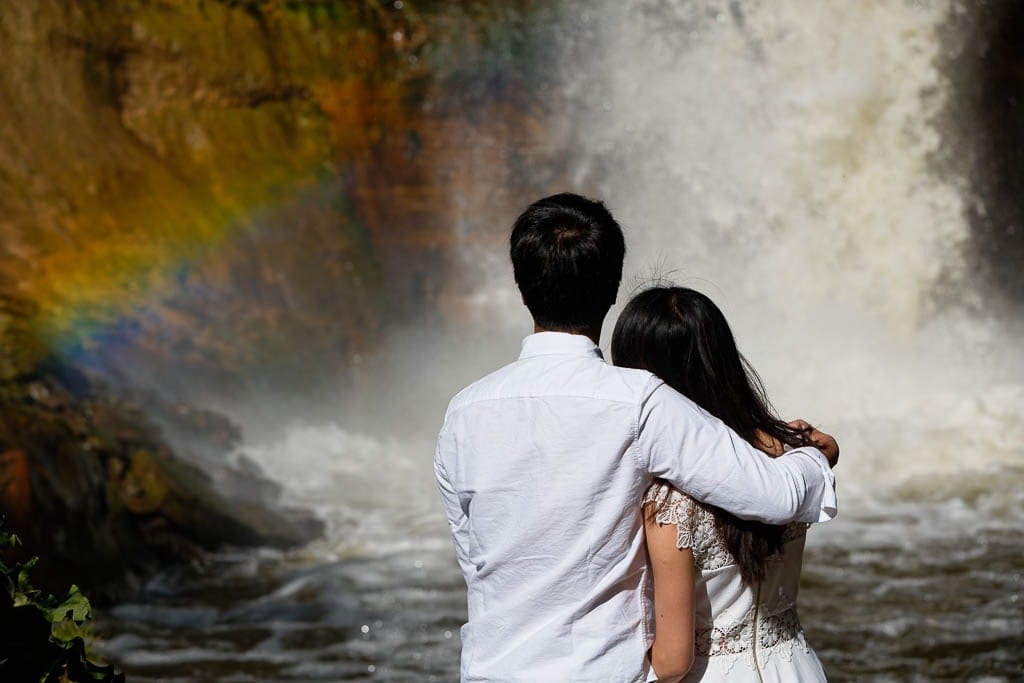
(743, 632)
(732, 583)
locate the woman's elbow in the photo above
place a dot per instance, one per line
(671, 665)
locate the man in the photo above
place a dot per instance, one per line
(543, 463)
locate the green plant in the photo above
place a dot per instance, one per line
(44, 636)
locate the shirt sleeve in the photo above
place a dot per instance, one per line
(698, 454)
(458, 520)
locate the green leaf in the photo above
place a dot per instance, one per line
(65, 655)
(22, 592)
(23, 575)
(76, 604)
(66, 631)
(8, 540)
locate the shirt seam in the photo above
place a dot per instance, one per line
(586, 354)
(644, 466)
(453, 411)
(439, 464)
(645, 635)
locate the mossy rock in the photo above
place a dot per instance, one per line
(144, 487)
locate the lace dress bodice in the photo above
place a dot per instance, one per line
(755, 627)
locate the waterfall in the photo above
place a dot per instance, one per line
(781, 157)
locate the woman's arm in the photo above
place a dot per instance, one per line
(672, 652)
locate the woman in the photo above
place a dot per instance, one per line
(724, 588)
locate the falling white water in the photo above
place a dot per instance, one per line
(780, 150)
(779, 157)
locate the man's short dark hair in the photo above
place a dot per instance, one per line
(567, 254)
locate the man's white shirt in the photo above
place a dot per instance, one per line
(542, 466)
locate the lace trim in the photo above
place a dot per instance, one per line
(695, 526)
(778, 635)
(672, 507)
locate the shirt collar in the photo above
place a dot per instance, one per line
(559, 344)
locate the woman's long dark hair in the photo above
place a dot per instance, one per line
(682, 337)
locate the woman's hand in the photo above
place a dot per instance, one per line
(820, 440)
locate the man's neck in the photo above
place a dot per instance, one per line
(593, 332)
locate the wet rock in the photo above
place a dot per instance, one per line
(144, 487)
(92, 488)
(16, 487)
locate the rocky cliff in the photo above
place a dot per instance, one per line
(212, 195)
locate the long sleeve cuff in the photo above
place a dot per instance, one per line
(829, 505)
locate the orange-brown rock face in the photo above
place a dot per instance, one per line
(205, 183)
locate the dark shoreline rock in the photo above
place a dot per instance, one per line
(94, 489)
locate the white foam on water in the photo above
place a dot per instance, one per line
(375, 493)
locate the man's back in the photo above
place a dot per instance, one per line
(542, 466)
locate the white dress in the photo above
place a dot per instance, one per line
(743, 633)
